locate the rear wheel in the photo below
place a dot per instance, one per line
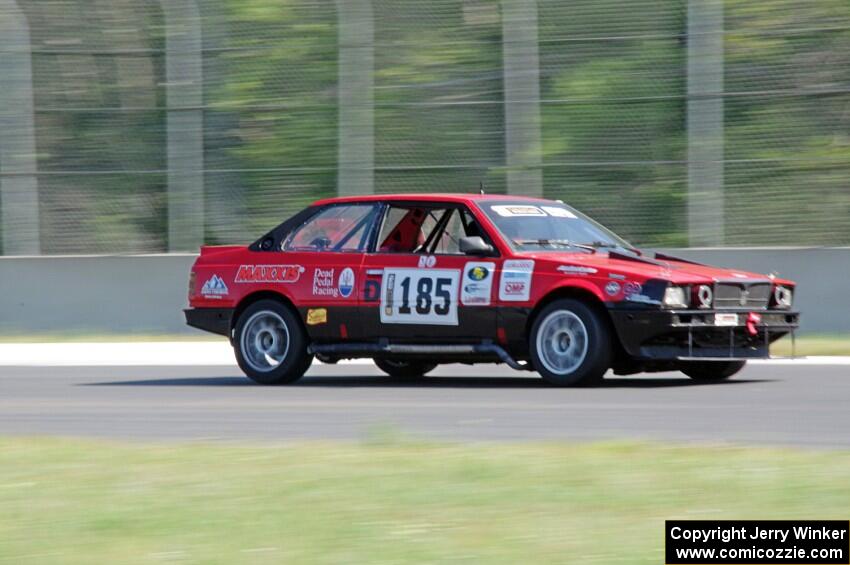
(570, 344)
(404, 369)
(711, 370)
(270, 344)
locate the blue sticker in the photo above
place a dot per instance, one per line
(346, 282)
(612, 288)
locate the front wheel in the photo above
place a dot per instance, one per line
(711, 370)
(570, 344)
(270, 344)
(404, 369)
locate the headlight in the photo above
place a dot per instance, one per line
(675, 297)
(704, 296)
(783, 297)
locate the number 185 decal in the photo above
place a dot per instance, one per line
(416, 296)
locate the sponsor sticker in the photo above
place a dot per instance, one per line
(642, 298)
(427, 261)
(316, 316)
(345, 284)
(269, 273)
(612, 288)
(214, 287)
(617, 276)
(577, 270)
(477, 284)
(515, 284)
(726, 319)
(508, 211)
(558, 212)
(632, 288)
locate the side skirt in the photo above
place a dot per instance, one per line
(484, 351)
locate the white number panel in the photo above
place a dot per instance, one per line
(419, 296)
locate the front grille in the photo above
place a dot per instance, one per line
(752, 296)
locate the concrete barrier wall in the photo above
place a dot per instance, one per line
(146, 294)
(97, 294)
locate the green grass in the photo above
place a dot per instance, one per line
(389, 502)
(811, 345)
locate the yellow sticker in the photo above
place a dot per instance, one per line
(316, 316)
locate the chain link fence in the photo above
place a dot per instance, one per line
(148, 126)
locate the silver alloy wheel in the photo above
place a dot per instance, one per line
(264, 341)
(562, 342)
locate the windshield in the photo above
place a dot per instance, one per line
(548, 226)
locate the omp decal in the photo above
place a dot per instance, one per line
(558, 212)
(508, 211)
(612, 288)
(577, 270)
(214, 288)
(515, 284)
(345, 284)
(316, 316)
(427, 261)
(477, 284)
(417, 296)
(269, 273)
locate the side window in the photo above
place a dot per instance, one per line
(447, 242)
(407, 229)
(337, 228)
(412, 229)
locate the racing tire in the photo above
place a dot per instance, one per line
(708, 371)
(405, 369)
(570, 344)
(270, 344)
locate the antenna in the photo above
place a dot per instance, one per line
(481, 187)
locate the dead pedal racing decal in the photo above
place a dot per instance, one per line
(269, 273)
(326, 283)
(417, 296)
(316, 316)
(214, 288)
(515, 285)
(477, 284)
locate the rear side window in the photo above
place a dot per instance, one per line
(337, 228)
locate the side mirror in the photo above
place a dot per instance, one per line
(474, 245)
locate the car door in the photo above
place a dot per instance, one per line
(329, 248)
(418, 286)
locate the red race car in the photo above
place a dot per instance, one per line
(414, 281)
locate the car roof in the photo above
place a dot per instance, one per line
(426, 197)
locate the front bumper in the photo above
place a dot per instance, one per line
(700, 334)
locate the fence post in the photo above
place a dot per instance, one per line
(356, 153)
(185, 123)
(18, 166)
(705, 123)
(521, 68)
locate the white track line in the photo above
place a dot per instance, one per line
(187, 353)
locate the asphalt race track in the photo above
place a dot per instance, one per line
(803, 405)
